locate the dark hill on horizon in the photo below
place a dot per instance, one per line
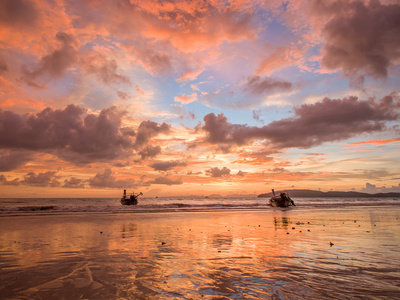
(311, 193)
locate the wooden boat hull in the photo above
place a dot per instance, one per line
(129, 201)
(132, 199)
(281, 201)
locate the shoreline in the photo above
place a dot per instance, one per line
(46, 210)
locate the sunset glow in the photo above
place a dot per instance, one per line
(198, 97)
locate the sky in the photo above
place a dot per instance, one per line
(198, 97)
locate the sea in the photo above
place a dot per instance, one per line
(21, 206)
(199, 248)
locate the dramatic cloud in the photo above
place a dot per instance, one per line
(46, 179)
(74, 135)
(313, 124)
(19, 13)
(13, 160)
(3, 66)
(129, 86)
(361, 39)
(217, 172)
(167, 165)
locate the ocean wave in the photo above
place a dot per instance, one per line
(49, 206)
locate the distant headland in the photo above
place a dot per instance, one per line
(311, 193)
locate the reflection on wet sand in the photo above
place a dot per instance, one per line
(282, 222)
(210, 255)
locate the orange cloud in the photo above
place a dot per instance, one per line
(196, 26)
(377, 142)
(31, 24)
(185, 99)
(22, 104)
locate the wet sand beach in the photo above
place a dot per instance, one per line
(329, 253)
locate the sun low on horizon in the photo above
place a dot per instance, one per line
(198, 97)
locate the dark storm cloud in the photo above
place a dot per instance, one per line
(3, 66)
(46, 179)
(313, 124)
(331, 120)
(93, 137)
(122, 95)
(4, 181)
(74, 135)
(56, 63)
(149, 151)
(19, 13)
(108, 180)
(74, 183)
(361, 39)
(217, 172)
(167, 165)
(147, 130)
(13, 160)
(164, 180)
(267, 85)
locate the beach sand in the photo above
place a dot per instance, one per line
(340, 253)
